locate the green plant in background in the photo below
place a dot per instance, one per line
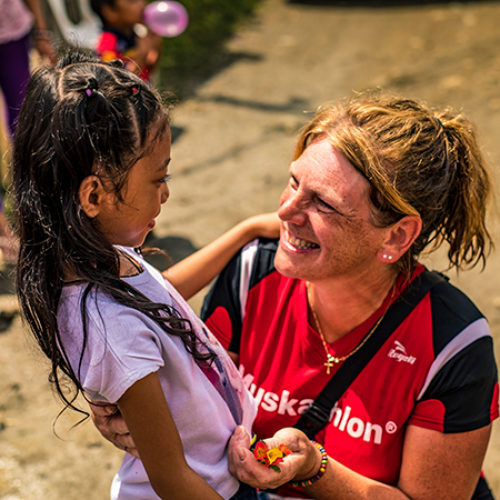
(197, 52)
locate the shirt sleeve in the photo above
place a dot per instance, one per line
(121, 349)
(463, 394)
(221, 309)
(224, 307)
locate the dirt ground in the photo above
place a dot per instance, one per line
(233, 143)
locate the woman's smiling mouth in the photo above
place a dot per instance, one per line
(295, 243)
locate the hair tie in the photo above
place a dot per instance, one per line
(91, 87)
(134, 90)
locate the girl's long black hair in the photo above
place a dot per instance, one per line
(82, 117)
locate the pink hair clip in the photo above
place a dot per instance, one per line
(89, 92)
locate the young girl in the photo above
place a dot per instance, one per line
(89, 176)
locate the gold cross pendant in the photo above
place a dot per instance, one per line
(329, 363)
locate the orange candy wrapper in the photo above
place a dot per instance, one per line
(268, 457)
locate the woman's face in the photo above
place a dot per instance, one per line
(325, 212)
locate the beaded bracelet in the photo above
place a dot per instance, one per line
(322, 468)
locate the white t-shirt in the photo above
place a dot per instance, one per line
(124, 346)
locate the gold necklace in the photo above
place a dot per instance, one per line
(331, 360)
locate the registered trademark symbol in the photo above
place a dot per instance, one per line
(391, 427)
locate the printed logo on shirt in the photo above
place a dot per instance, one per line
(269, 401)
(398, 352)
(340, 418)
(358, 428)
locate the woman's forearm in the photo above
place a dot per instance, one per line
(340, 482)
(194, 272)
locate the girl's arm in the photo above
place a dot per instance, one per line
(153, 429)
(194, 272)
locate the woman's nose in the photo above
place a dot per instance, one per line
(291, 206)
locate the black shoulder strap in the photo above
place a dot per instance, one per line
(318, 414)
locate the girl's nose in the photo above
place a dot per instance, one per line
(165, 194)
(291, 207)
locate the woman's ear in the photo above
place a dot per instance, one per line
(399, 239)
(90, 194)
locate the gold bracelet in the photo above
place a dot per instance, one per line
(322, 468)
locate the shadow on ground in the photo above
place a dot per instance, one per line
(185, 84)
(172, 249)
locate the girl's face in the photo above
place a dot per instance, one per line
(127, 222)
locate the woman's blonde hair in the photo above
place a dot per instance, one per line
(418, 162)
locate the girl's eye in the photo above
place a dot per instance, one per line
(165, 178)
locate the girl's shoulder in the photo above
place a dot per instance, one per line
(100, 308)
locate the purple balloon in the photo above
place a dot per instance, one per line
(166, 18)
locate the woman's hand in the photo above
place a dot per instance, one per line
(303, 463)
(110, 423)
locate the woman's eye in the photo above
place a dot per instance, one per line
(165, 178)
(293, 182)
(325, 205)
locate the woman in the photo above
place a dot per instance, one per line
(373, 184)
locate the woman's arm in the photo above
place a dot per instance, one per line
(434, 465)
(194, 272)
(438, 465)
(153, 429)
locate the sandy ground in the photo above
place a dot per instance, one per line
(230, 157)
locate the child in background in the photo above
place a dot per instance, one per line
(89, 177)
(118, 39)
